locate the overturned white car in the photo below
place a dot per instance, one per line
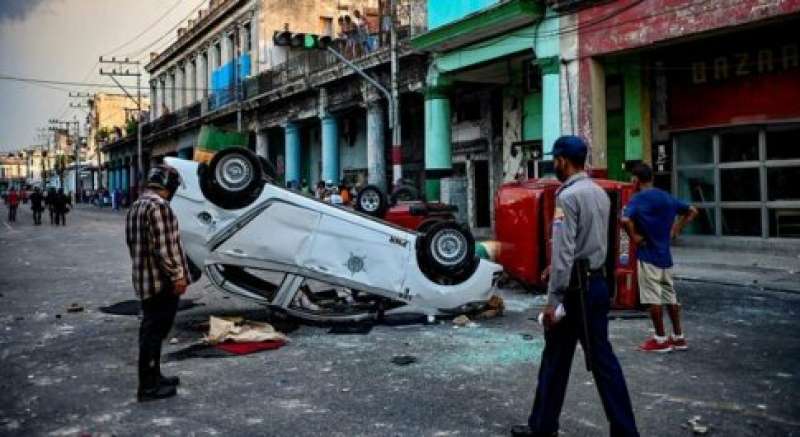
(317, 261)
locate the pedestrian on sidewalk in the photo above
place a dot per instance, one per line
(649, 219)
(160, 275)
(61, 206)
(12, 202)
(579, 248)
(37, 206)
(49, 201)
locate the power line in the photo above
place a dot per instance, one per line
(146, 29)
(167, 33)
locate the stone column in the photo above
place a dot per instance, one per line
(262, 143)
(438, 155)
(154, 99)
(191, 80)
(162, 80)
(376, 144)
(170, 88)
(330, 148)
(551, 101)
(292, 158)
(201, 70)
(180, 87)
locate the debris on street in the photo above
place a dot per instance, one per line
(239, 330)
(493, 308)
(74, 308)
(404, 360)
(355, 328)
(696, 427)
(461, 320)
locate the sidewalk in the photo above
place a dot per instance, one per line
(777, 271)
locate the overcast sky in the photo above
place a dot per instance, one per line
(62, 40)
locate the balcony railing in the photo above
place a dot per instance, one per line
(412, 19)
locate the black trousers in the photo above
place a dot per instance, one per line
(61, 218)
(37, 216)
(560, 342)
(158, 315)
(12, 213)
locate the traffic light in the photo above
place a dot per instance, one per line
(299, 40)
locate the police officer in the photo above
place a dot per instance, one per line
(580, 237)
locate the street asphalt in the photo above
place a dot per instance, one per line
(73, 373)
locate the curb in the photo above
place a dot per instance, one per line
(737, 284)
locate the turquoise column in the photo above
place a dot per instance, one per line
(330, 148)
(117, 182)
(292, 158)
(110, 177)
(551, 102)
(185, 153)
(125, 179)
(438, 154)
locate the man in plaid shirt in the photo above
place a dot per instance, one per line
(160, 275)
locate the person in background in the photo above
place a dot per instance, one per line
(37, 206)
(12, 202)
(160, 275)
(304, 188)
(344, 192)
(49, 200)
(350, 37)
(362, 32)
(61, 206)
(649, 219)
(319, 192)
(386, 21)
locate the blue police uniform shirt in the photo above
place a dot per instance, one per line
(653, 211)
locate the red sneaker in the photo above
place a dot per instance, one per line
(651, 345)
(679, 344)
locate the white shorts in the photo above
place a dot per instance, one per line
(656, 286)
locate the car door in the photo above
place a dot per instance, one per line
(278, 233)
(344, 247)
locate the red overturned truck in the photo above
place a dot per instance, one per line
(523, 218)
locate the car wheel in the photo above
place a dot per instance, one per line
(425, 226)
(371, 201)
(233, 179)
(447, 249)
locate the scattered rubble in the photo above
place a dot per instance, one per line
(239, 330)
(74, 308)
(696, 427)
(494, 308)
(461, 320)
(173, 340)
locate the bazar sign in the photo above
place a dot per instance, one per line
(744, 63)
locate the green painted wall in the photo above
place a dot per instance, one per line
(615, 140)
(634, 131)
(532, 117)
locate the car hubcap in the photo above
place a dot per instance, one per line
(370, 201)
(449, 247)
(234, 173)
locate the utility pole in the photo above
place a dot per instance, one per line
(126, 62)
(397, 136)
(65, 125)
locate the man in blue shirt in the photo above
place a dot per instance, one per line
(649, 219)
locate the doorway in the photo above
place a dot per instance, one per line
(481, 205)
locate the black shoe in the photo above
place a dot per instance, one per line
(525, 431)
(152, 394)
(170, 380)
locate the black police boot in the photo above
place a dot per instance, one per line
(170, 380)
(158, 392)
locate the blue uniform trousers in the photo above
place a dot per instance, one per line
(560, 342)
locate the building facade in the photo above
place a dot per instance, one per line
(304, 110)
(708, 93)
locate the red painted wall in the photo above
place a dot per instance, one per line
(629, 24)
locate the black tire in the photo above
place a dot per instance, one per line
(371, 201)
(404, 193)
(425, 226)
(233, 179)
(447, 249)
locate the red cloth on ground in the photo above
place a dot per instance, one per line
(249, 348)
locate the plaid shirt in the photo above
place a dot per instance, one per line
(155, 246)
